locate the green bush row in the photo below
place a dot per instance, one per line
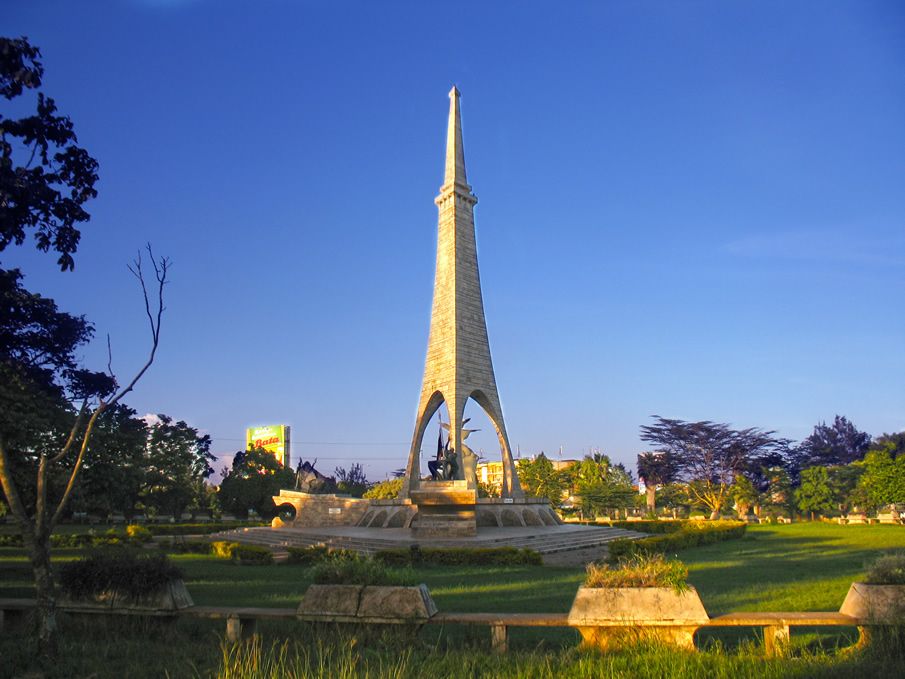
(459, 556)
(693, 534)
(198, 528)
(125, 571)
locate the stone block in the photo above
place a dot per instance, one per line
(396, 604)
(335, 602)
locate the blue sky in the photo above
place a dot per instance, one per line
(692, 209)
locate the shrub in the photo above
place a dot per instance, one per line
(11, 540)
(253, 555)
(355, 570)
(308, 556)
(889, 569)
(639, 570)
(693, 534)
(123, 570)
(138, 533)
(223, 549)
(460, 556)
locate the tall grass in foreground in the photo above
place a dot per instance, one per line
(344, 659)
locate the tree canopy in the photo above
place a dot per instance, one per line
(45, 177)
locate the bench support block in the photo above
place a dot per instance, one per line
(499, 639)
(776, 640)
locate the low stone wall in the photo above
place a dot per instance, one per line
(530, 511)
(322, 510)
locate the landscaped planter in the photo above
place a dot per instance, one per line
(877, 603)
(613, 617)
(373, 603)
(168, 599)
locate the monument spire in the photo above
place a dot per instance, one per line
(458, 365)
(455, 154)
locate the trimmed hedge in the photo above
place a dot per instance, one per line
(253, 555)
(693, 534)
(459, 556)
(122, 570)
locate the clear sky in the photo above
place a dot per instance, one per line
(692, 209)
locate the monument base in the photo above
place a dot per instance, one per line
(446, 509)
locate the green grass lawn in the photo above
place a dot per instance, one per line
(806, 566)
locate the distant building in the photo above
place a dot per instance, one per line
(491, 473)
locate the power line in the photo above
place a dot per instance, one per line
(330, 443)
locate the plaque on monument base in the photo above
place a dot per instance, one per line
(446, 509)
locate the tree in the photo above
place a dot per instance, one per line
(352, 482)
(50, 405)
(656, 469)
(838, 444)
(815, 494)
(49, 409)
(45, 177)
(115, 464)
(744, 494)
(601, 485)
(178, 460)
(255, 478)
(539, 478)
(709, 455)
(891, 444)
(883, 480)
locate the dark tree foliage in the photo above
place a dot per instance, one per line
(656, 468)
(178, 463)
(115, 465)
(45, 177)
(709, 455)
(829, 445)
(352, 482)
(255, 477)
(891, 444)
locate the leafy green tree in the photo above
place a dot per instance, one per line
(892, 444)
(744, 494)
(178, 460)
(255, 478)
(385, 490)
(816, 492)
(883, 480)
(539, 478)
(601, 485)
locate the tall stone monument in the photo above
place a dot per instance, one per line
(458, 365)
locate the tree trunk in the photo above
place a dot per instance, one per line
(651, 499)
(715, 514)
(39, 552)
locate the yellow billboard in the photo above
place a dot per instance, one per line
(272, 438)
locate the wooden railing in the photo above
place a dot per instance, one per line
(242, 621)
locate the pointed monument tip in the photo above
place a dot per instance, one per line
(454, 92)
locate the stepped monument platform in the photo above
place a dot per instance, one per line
(565, 544)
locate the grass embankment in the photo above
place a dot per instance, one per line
(791, 567)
